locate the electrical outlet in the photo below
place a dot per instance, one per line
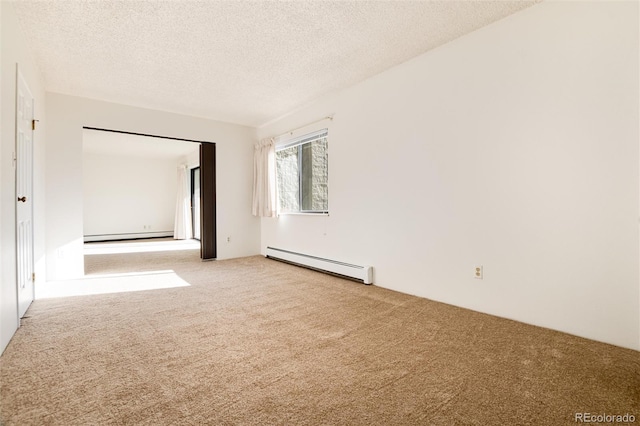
(228, 239)
(478, 272)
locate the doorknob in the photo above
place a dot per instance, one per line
(23, 199)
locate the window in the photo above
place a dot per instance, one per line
(303, 174)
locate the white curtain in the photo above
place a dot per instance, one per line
(182, 229)
(264, 178)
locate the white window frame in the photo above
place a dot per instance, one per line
(298, 141)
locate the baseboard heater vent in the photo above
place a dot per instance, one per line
(360, 273)
(129, 236)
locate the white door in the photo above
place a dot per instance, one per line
(24, 191)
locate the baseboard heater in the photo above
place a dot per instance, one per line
(359, 273)
(128, 236)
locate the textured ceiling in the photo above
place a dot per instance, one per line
(245, 62)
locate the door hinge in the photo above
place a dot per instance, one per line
(33, 124)
(33, 277)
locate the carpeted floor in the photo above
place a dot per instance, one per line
(253, 341)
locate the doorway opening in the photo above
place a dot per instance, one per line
(132, 196)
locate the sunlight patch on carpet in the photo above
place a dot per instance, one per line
(140, 247)
(111, 283)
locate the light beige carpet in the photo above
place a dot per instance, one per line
(253, 341)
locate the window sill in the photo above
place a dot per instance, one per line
(301, 214)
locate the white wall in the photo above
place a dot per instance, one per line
(14, 51)
(128, 195)
(514, 147)
(67, 115)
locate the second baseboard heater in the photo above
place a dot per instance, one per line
(127, 236)
(360, 273)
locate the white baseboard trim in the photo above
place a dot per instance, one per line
(131, 236)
